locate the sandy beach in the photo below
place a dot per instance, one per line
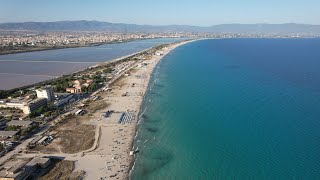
(110, 159)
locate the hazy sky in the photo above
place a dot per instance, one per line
(188, 12)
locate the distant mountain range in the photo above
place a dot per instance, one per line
(120, 27)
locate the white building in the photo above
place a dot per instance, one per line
(159, 53)
(45, 92)
(26, 106)
(34, 105)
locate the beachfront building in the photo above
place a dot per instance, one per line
(7, 137)
(23, 124)
(159, 53)
(78, 85)
(64, 99)
(19, 169)
(8, 134)
(13, 104)
(34, 105)
(45, 92)
(26, 106)
(73, 90)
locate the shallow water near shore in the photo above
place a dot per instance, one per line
(233, 109)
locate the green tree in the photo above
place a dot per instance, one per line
(12, 128)
(16, 137)
(107, 70)
(47, 114)
(3, 94)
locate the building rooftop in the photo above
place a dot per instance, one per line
(19, 123)
(22, 168)
(8, 133)
(15, 168)
(36, 139)
(37, 100)
(38, 161)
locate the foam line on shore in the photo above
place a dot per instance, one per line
(148, 89)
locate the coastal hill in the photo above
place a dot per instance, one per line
(120, 27)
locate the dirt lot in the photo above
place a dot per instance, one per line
(119, 82)
(133, 71)
(71, 137)
(94, 106)
(63, 170)
(78, 139)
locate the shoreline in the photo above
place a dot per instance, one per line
(111, 158)
(133, 158)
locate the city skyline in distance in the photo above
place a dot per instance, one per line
(83, 25)
(200, 13)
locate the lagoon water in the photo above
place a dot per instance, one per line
(31, 67)
(233, 109)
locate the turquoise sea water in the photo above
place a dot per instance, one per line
(233, 109)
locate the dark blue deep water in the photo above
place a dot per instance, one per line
(233, 109)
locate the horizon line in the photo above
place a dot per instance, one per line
(161, 24)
